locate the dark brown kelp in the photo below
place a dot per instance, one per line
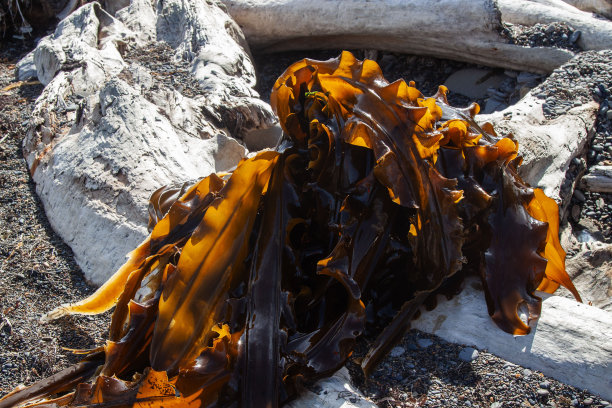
(254, 282)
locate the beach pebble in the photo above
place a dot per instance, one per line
(468, 354)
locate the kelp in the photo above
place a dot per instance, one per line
(257, 281)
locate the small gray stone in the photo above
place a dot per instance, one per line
(588, 401)
(545, 385)
(542, 392)
(597, 92)
(579, 195)
(609, 115)
(526, 372)
(597, 147)
(496, 405)
(25, 69)
(424, 343)
(397, 351)
(468, 354)
(575, 36)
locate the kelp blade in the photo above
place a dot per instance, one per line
(208, 262)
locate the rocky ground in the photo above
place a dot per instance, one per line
(37, 270)
(424, 370)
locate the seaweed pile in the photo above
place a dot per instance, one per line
(257, 281)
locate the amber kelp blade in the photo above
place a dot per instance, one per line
(184, 212)
(152, 389)
(545, 209)
(513, 267)
(209, 261)
(106, 296)
(168, 229)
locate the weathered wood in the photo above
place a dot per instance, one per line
(599, 179)
(602, 7)
(466, 30)
(569, 342)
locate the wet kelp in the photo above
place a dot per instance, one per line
(256, 281)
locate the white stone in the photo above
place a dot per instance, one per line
(25, 69)
(75, 44)
(96, 180)
(424, 343)
(473, 82)
(465, 30)
(468, 354)
(138, 15)
(569, 342)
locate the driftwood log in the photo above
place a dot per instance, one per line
(599, 179)
(466, 30)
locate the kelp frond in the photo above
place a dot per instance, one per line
(255, 282)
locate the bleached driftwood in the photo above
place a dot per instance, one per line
(570, 341)
(547, 145)
(105, 133)
(602, 7)
(599, 179)
(466, 30)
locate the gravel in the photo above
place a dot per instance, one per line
(38, 272)
(587, 77)
(438, 376)
(166, 70)
(558, 35)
